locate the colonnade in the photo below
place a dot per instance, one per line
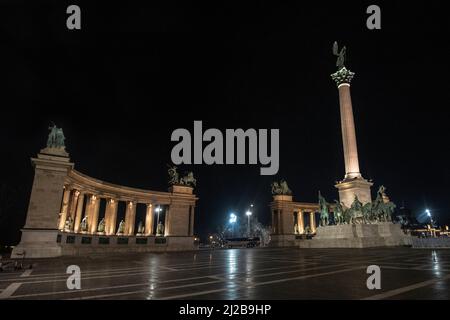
(299, 227)
(82, 209)
(279, 226)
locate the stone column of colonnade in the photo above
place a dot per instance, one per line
(300, 222)
(92, 212)
(130, 218)
(79, 212)
(312, 221)
(111, 216)
(167, 222)
(149, 220)
(64, 208)
(73, 205)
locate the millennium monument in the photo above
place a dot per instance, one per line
(355, 221)
(65, 209)
(353, 182)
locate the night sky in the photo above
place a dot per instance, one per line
(134, 73)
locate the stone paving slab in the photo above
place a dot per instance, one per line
(268, 273)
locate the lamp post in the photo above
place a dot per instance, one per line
(158, 210)
(431, 221)
(248, 214)
(232, 221)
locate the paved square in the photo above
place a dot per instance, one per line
(285, 273)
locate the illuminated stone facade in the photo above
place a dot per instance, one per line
(65, 209)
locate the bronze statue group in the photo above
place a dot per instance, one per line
(380, 210)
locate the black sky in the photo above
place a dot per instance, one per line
(136, 72)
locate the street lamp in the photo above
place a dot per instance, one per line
(431, 220)
(232, 221)
(429, 215)
(248, 214)
(158, 210)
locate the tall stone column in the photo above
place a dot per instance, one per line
(312, 221)
(39, 235)
(167, 218)
(111, 216)
(130, 218)
(64, 208)
(149, 220)
(73, 204)
(300, 223)
(79, 213)
(93, 214)
(353, 184)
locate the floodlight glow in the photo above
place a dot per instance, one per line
(248, 213)
(233, 218)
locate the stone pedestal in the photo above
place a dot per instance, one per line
(39, 235)
(358, 236)
(181, 189)
(180, 215)
(350, 187)
(283, 231)
(37, 243)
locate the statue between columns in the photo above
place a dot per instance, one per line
(68, 226)
(101, 226)
(84, 224)
(160, 229)
(121, 228)
(141, 228)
